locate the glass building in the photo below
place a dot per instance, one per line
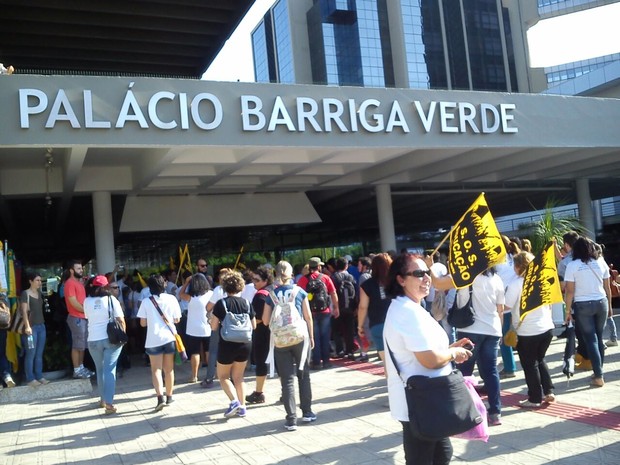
(272, 47)
(425, 44)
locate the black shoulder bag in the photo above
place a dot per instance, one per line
(116, 333)
(461, 317)
(439, 407)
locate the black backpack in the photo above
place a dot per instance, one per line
(317, 294)
(347, 293)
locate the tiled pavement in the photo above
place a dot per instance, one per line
(353, 426)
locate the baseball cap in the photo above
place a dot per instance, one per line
(100, 281)
(314, 262)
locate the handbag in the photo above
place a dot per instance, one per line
(511, 338)
(178, 342)
(236, 327)
(18, 324)
(461, 317)
(116, 333)
(439, 407)
(479, 432)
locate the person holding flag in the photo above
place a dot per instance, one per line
(475, 248)
(533, 327)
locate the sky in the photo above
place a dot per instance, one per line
(578, 36)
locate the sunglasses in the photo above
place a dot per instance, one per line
(418, 273)
(113, 287)
(202, 266)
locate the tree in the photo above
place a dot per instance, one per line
(553, 224)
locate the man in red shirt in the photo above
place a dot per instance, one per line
(320, 289)
(74, 298)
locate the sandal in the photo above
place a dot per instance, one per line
(110, 409)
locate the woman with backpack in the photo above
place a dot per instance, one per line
(233, 355)
(292, 360)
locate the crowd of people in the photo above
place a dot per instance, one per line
(397, 302)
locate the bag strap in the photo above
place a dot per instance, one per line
(592, 270)
(394, 361)
(174, 333)
(110, 308)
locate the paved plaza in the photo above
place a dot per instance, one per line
(353, 426)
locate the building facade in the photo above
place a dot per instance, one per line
(421, 44)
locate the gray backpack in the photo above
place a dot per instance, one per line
(236, 327)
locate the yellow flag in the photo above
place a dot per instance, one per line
(541, 285)
(187, 264)
(142, 281)
(475, 244)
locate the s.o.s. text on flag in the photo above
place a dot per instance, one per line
(475, 244)
(541, 285)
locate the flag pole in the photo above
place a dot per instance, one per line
(238, 258)
(445, 238)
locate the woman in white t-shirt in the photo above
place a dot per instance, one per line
(160, 340)
(420, 347)
(534, 333)
(588, 301)
(488, 300)
(98, 306)
(198, 330)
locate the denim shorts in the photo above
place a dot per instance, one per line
(168, 348)
(376, 333)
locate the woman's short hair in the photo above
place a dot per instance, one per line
(399, 267)
(31, 275)
(265, 273)
(521, 262)
(156, 284)
(284, 272)
(199, 285)
(232, 282)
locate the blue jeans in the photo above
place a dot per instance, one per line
(485, 354)
(33, 363)
(611, 325)
(105, 355)
(590, 318)
(5, 367)
(507, 355)
(322, 327)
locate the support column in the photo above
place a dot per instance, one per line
(104, 231)
(386, 217)
(586, 213)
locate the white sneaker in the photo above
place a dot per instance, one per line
(613, 343)
(9, 381)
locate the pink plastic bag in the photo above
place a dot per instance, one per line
(481, 431)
